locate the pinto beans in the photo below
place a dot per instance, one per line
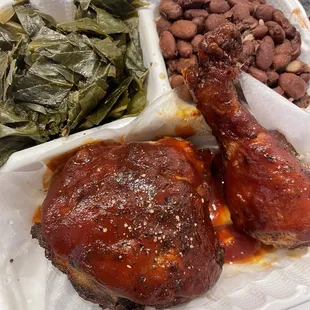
(258, 74)
(200, 24)
(280, 61)
(184, 29)
(288, 28)
(269, 40)
(190, 4)
(279, 90)
(172, 65)
(296, 46)
(249, 49)
(240, 12)
(264, 12)
(273, 78)
(284, 48)
(167, 44)
(296, 66)
(176, 80)
(271, 44)
(294, 86)
(185, 49)
(162, 25)
(219, 6)
(305, 77)
(260, 31)
(196, 41)
(264, 56)
(276, 32)
(170, 10)
(191, 14)
(184, 93)
(184, 63)
(246, 3)
(213, 21)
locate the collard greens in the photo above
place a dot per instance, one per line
(56, 79)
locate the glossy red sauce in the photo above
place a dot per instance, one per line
(37, 216)
(219, 212)
(185, 131)
(239, 247)
(56, 163)
(134, 218)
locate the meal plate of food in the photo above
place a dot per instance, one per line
(119, 215)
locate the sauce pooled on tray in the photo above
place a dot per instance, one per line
(239, 247)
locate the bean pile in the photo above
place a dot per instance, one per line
(271, 44)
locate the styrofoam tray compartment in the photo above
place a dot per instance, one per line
(273, 111)
(280, 281)
(157, 81)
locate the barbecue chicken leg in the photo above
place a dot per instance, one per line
(129, 224)
(267, 189)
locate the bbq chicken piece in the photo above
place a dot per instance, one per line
(129, 224)
(267, 188)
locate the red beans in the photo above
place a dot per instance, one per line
(271, 44)
(183, 29)
(168, 45)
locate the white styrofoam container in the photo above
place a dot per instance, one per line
(158, 82)
(285, 283)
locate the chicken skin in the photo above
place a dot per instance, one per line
(267, 189)
(129, 224)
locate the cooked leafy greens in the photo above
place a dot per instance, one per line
(57, 79)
